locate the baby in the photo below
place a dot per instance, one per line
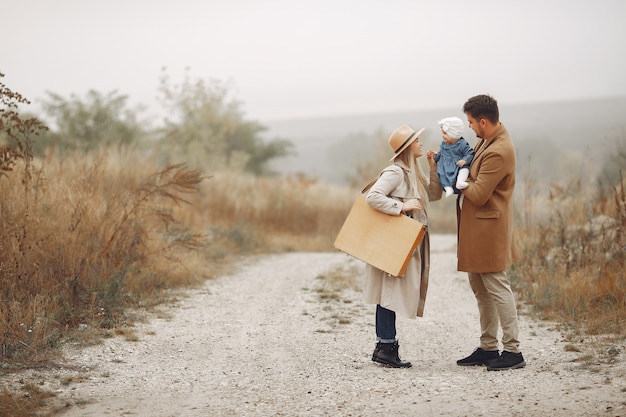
(454, 156)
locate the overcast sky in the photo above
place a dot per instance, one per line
(304, 58)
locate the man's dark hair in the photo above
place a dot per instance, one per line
(482, 107)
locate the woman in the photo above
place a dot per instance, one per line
(402, 188)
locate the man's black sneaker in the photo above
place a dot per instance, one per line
(479, 357)
(508, 360)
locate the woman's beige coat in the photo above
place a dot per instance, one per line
(405, 295)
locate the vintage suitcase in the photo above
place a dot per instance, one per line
(379, 239)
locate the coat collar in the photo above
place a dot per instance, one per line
(401, 164)
(499, 130)
(486, 142)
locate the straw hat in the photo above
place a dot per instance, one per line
(402, 138)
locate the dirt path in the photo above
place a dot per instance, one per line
(262, 343)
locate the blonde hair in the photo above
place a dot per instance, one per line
(418, 181)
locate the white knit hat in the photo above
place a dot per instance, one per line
(452, 126)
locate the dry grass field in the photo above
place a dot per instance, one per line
(88, 239)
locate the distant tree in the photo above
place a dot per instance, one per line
(98, 120)
(206, 128)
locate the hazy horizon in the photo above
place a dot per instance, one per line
(286, 60)
(554, 135)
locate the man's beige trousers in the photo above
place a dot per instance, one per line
(496, 306)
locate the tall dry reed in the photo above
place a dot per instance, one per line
(574, 263)
(82, 242)
(271, 214)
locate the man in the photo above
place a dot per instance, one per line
(486, 246)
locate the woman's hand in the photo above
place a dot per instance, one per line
(430, 157)
(410, 205)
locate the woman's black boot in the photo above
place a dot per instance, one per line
(387, 354)
(376, 351)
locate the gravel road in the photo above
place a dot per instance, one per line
(265, 342)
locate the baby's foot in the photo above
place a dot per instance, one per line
(449, 191)
(461, 185)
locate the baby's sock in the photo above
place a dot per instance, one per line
(449, 191)
(461, 184)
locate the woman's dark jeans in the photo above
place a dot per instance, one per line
(385, 325)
